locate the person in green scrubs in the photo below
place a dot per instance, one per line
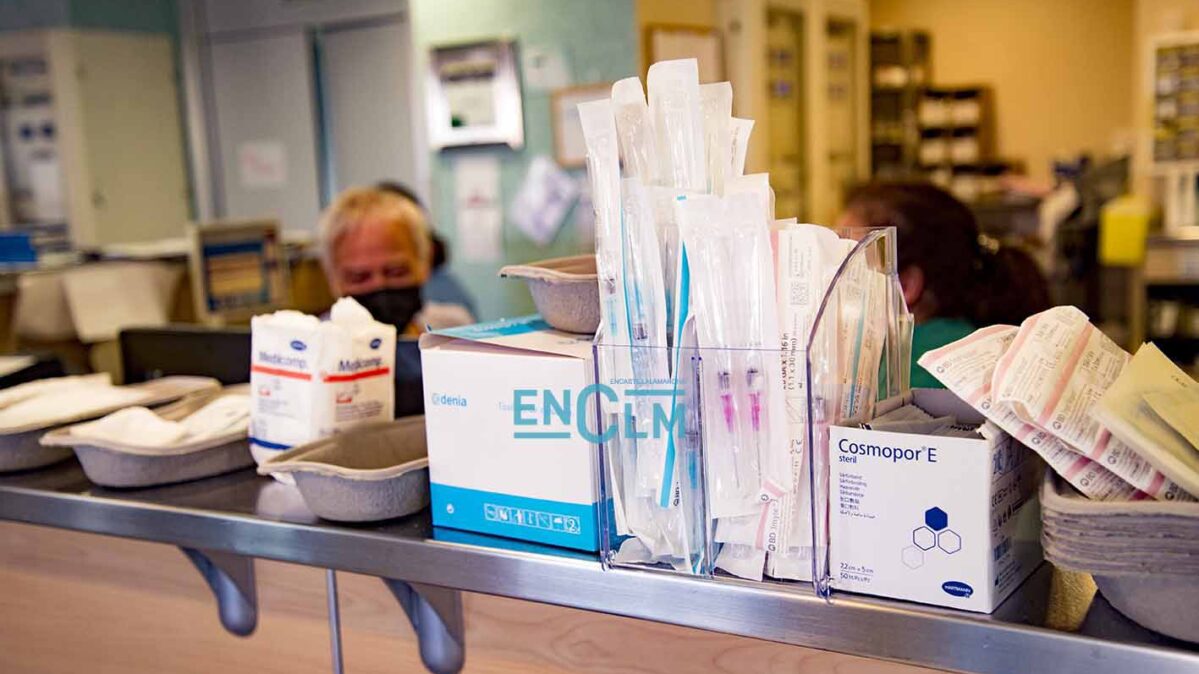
(954, 279)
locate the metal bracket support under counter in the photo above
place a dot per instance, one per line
(436, 617)
(230, 576)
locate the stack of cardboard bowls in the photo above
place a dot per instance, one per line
(1144, 555)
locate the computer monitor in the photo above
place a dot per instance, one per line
(239, 269)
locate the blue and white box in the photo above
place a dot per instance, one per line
(506, 455)
(944, 520)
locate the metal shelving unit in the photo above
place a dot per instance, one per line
(900, 69)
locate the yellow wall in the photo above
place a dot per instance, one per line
(691, 13)
(1061, 70)
(696, 13)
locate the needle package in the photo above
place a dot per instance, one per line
(674, 105)
(730, 342)
(635, 129)
(746, 450)
(716, 103)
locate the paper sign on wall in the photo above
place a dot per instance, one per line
(544, 199)
(544, 68)
(477, 207)
(262, 164)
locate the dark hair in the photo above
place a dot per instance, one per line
(400, 189)
(965, 278)
(440, 250)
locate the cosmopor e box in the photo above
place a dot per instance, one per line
(934, 519)
(499, 462)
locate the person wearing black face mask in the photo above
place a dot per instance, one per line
(377, 249)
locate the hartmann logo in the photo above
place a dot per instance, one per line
(297, 345)
(443, 400)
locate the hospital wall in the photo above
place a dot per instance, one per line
(1061, 71)
(1152, 17)
(597, 41)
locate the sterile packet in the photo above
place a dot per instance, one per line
(635, 130)
(729, 254)
(1177, 410)
(743, 561)
(966, 368)
(806, 258)
(645, 302)
(740, 130)
(861, 303)
(603, 169)
(716, 103)
(1057, 367)
(1128, 411)
(674, 105)
(910, 419)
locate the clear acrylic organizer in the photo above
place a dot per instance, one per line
(666, 508)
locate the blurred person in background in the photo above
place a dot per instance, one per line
(442, 286)
(377, 248)
(954, 279)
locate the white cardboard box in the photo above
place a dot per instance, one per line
(938, 520)
(534, 480)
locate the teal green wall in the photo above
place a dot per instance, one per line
(151, 16)
(599, 41)
(30, 14)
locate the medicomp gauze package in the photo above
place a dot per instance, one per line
(949, 519)
(310, 378)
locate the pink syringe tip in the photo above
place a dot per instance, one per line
(755, 410)
(726, 405)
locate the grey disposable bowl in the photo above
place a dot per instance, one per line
(111, 468)
(1166, 604)
(375, 472)
(1141, 554)
(565, 291)
(22, 451)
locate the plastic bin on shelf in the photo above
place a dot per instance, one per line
(655, 439)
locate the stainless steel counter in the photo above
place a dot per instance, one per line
(245, 514)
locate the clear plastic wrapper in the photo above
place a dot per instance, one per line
(759, 534)
(635, 129)
(666, 223)
(603, 168)
(730, 258)
(716, 103)
(673, 534)
(807, 257)
(739, 132)
(674, 105)
(757, 184)
(646, 326)
(967, 366)
(1057, 367)
(836, 345)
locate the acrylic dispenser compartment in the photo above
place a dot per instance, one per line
(711, 456)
